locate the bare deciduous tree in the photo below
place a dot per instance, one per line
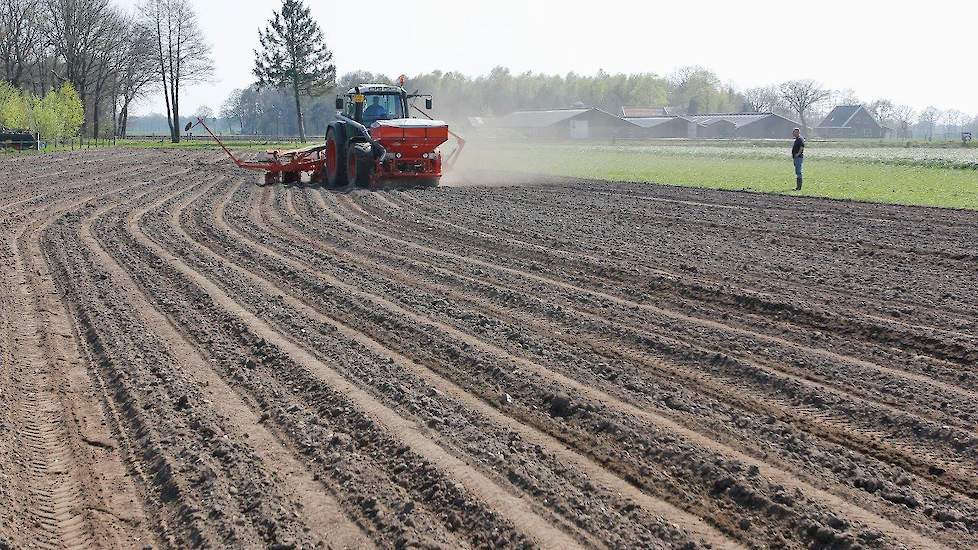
(183, 56)
(953, 120)
(928, 121)
(846, 97)
(904, 115)
(75, 30)
(233, 109)
(882, 110)
(88, 40)
(764, 99)
(107, 62)
(20, 32)
(136, 71)
(802, 96)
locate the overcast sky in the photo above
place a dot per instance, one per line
(918, 53)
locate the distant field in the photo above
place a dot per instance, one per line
(943, 177)
(938, 157)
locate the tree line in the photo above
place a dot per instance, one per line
(109, 57)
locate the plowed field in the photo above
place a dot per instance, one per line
(192, 360)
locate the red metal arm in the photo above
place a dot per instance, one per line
(294, 161)
(241, 163)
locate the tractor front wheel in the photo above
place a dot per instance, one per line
(359, 164)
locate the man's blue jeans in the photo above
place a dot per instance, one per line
(798, 169)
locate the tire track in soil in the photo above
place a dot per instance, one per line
(55, 493)
(662, 508)
(409, 434)
(58, 429)
(318, 508)
(696, 380)
(273, 231)
(783, 477)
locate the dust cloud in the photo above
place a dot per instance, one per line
(486, 163)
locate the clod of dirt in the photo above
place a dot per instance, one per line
(561, 406)
(182, 403)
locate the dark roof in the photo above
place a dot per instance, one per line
(840, 116)
(653, 121)
(737, 119)
(644, 112)
(543, 119)
(537, 119)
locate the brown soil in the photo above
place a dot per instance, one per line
(192, 360)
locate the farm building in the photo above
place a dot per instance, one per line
(666, 127)
(715, 128)
(850, 121)
(743, 125)
(569, 124)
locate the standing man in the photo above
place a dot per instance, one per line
(798, 155)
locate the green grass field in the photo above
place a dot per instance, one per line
(936, 180)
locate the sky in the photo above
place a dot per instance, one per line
(914, 53)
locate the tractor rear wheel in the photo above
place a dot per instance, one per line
(359, 164)
(335, 166)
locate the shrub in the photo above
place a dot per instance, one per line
(14, 108)
(59, 115)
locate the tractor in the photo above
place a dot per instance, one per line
(373, 143)
(374, 140)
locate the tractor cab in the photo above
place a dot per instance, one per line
(369, 103)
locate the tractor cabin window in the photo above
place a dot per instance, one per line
(381, 107)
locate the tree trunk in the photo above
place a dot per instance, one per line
(95, 116)
(298, 113)
(175, 123)
(123, 120)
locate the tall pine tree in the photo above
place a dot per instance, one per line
(294, 55)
